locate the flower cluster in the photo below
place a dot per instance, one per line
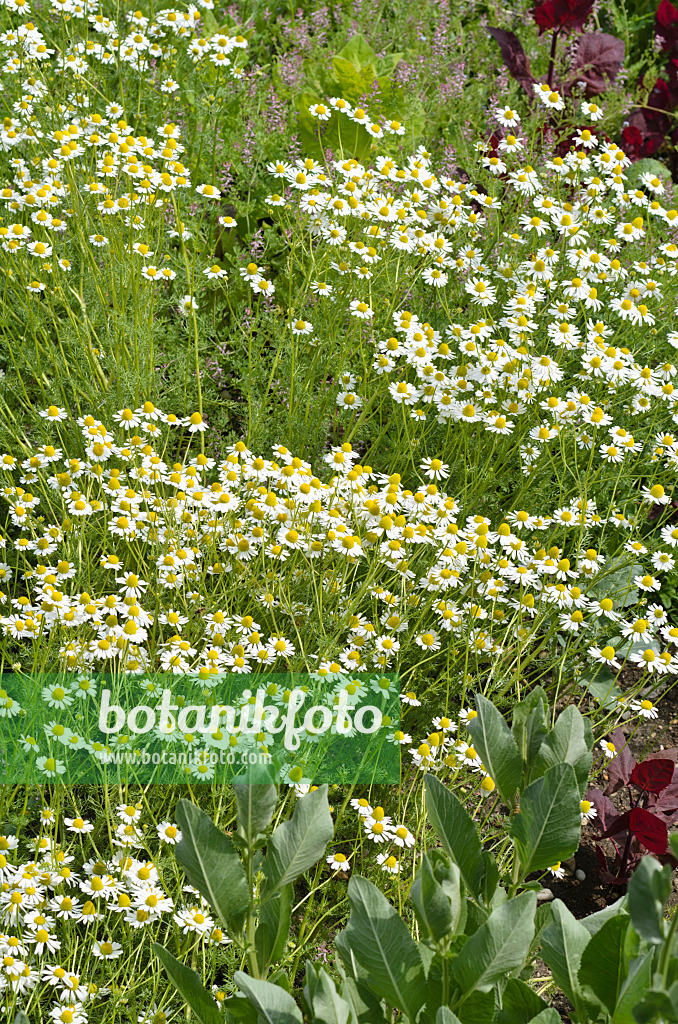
(47, 895)
(81, 178)
(547, 352)
(249, 541)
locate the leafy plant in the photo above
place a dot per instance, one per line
(476, 929)
(615, 965)
(477, 932)
(250, 893)
(540, 773)
(618, 964)
(354, 73)
(651, 789)
(651, 125)
(596, 61)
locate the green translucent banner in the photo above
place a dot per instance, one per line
(169, 729)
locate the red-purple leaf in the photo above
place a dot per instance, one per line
(547, 15)
(666, 804)
(620, 767)
(514, 58)
(606, 812)
(639, 139)
(666, 15)
(653, 776)
(606, 875)
(597, 62)
(617, 825)
(648, 829)
(666, 25)
(561, 14)
(669, 754)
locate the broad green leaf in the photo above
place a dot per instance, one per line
(569, 741)
(499, 946)
(21, 1018)
(457, 833)
(385, 66)
(299, 843)
(479, 1008)
(281, 978)
(255, 804)
(529, 726)
(366, 1008)
(475, 917)
(519, 1003)
(603, 963)
(353, 82)
(190, 988)
(448, 876)
(648, 891)
(453, 826)
(489, 879)
(239, 1010)
(563, 944)
(274, 1005)
(657, 1005)
(547, 1016)
(594, 922)
(379, 941)
(497, 749)
(647, 166)
(209, 22)
(542, 920)
(433, 972)
(324, 1004)
(445, 1016)
(634, 988)
(273, 929)
(548, 827)
(438, 908)
(603, 687)
(213, 867)
(615, 580)
(358, 51)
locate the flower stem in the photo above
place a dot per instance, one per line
(552, 56)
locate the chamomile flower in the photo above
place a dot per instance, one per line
(388, 863)
(507, 117)
(51, 767)
(338, 862)
(106, 950)
(549, 97)
(605, 656)
(361, 310)
(588, 811)
(320, 111)
(644, 708)
(435, 469)
(215, 272)
(377, 831)
(362, 806)
(78, 825)
(402, 836)
(168, 833)
(592, 111)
